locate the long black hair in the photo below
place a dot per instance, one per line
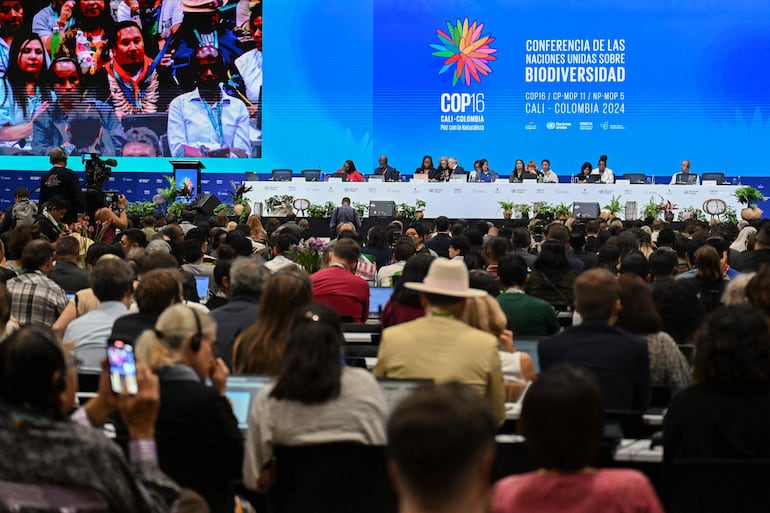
(416, 269)
(28, 362)
(17, 79)
(311, 371)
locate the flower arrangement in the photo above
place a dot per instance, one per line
(278, 202)
(667, 205)
(88, 234)
(309, 254)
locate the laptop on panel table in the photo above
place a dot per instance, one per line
(241, 392)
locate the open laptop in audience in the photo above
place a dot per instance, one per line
(396, 390)
(378, 297)
(241, 392)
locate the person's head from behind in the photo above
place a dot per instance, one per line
(403, 251)
(441, 446)
(37, 255)
(248, 276)
(552, 258)
(662, 262)
(282, 242)
(709, 264)
(733, 346)
(638, 314)
(311, 370)
(495, 249)
(485, 314)
(181, 334)
(34, 374)
(562, 419)
(346, 252)
(635, 263)
(513, 271)
(482, 280)
(67, 248)
(596, 296)
(286, 292)
(111, 279)
(157, 290)
(415, 270)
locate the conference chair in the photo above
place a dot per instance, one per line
(281, 175)
(339, 176)
(716, 485)
(635, 178)
(331, 477)
(252, 176)
(48, 498)
(311, 175)
(719, 178)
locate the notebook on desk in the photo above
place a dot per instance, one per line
(241, 392)
(378, 297)
(396, 390)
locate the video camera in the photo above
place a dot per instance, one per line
(98, 170)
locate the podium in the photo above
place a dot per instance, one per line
(188, 172)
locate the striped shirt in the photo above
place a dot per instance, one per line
(36, 299)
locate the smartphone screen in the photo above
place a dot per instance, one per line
(122, 367)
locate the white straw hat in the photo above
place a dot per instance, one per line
(447, 278)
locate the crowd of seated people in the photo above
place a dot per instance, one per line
(602, 332)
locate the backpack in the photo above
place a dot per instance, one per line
(23, 213)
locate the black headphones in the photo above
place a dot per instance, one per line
(195, 341)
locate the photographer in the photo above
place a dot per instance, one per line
(106, 219)
(62, 181)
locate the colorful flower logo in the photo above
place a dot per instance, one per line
(465, 49)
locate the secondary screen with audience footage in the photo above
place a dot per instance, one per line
(177, 78)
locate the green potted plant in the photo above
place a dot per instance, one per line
(562, 211)
(524, 209)
(140, 209)
(361, 208)
(175, 208)
(543, 209)
(413, 212)
(507, 207)
(749, 196)
(652, 209)
(613, 207)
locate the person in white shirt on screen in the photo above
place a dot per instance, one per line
(206, 120)
(548, 175)
(684, 169)
(607, 176)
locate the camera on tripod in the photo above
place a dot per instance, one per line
(98, 170)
